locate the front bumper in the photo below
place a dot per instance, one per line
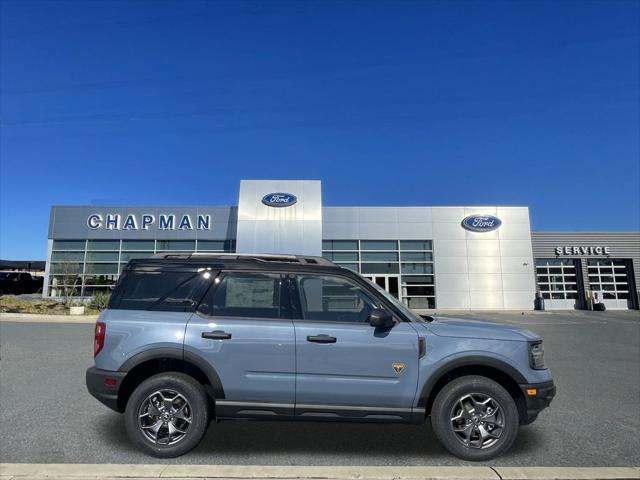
(104, 385)
(537, 397)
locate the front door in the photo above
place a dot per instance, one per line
(390, 283)
(346, 367)
(244, 334)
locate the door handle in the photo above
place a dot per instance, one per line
(321, 339)
(217, 335)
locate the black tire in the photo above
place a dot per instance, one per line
(446, 406)
(198, 409)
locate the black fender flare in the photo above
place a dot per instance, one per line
(467, 361)
(177, 354)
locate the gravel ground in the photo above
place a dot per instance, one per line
(46, 414)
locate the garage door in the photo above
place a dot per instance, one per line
(610, 279)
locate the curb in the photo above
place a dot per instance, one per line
(43, 318)
(25, 471)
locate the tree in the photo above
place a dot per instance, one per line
(71, 279)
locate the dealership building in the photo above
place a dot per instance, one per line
(459, 257)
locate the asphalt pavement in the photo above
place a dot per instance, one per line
(46, 414)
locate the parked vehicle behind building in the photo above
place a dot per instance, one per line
(188, 339)
(18, 283)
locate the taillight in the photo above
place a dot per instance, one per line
(98, 341)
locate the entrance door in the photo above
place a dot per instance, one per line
(387, 282)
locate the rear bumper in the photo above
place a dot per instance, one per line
(104, 385)
(537, 397)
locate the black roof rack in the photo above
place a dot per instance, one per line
(258, 257)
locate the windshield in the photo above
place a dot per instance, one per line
(414, 317)
(6, 275)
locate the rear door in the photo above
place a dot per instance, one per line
(346, 367)
(243, 331)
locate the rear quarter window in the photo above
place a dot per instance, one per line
(172, 291)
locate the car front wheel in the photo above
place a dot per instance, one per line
(475, 418)
(167, 415)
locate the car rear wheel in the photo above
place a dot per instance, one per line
(167, 415)
(475, 418)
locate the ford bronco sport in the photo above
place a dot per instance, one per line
(192, 338)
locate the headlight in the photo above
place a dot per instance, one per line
(536, 356)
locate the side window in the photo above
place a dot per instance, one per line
(334, 299)
(163, 291)
(244, 294)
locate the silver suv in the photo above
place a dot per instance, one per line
(188, 339)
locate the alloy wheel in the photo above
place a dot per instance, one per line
(477, 420)
(164, 417)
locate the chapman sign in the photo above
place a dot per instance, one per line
(584, 250)
(145, 222)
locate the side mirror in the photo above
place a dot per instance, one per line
(380, 318)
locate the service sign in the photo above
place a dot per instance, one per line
(481, 223)
(583, 250)
(279, 199)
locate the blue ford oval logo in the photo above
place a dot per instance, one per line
(481, 223)
(279, 199)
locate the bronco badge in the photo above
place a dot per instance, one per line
(398, 367)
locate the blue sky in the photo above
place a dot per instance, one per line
(388, 103)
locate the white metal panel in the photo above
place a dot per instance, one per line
(480, 211)
(557, 304)
(378, 214)
(341, 230)
(484, 265)
(486, 300)
(447, 214)
(615, 304)
(520, 300)
(416, 230)
(453, 300)
(449, 248)
(514, 231)
(522, 265)
(451, 282)
(472, 236)
(449, 230)
(295, 229)
(451, 265)
(379, 230)
(483, 248)
(415, 214)
(513, 214)
(485, 282)
(517, 282)
(340, 214)
(516, 248)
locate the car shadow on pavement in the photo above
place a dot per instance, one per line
(267, 442)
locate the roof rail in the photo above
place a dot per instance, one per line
(259, 257)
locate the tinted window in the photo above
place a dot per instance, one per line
(138, 244)
(379, 245)
(176, 245)
(68, 244)
(103, 245)
(165, 291)
(248, 295)
(333, 299)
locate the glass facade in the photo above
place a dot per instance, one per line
(85, 267)
(387, 262)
